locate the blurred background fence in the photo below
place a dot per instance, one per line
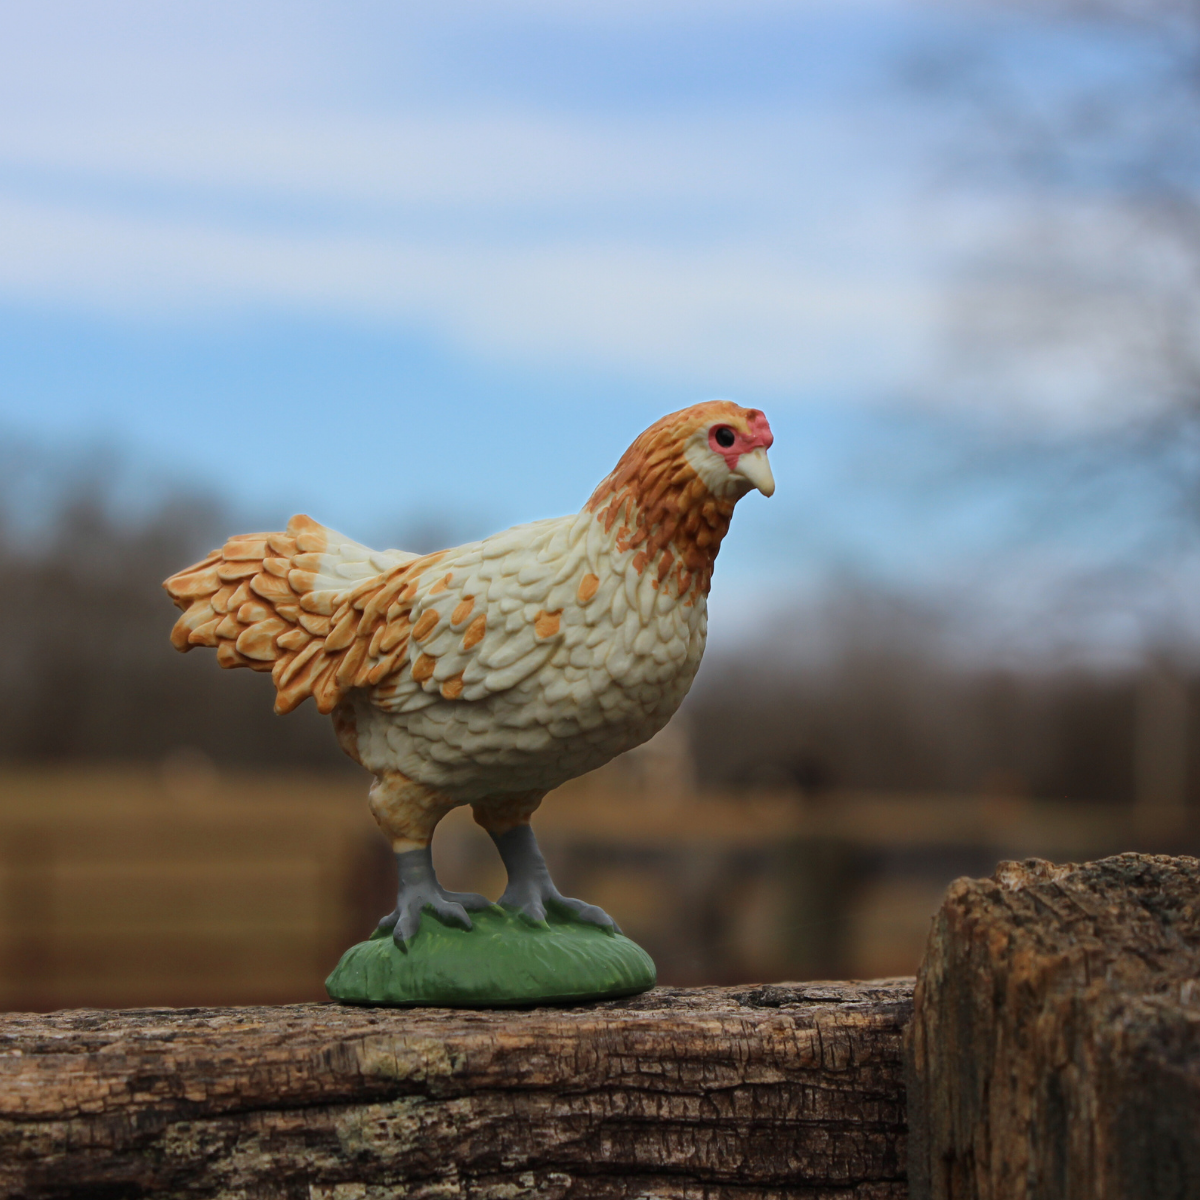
(180, 884)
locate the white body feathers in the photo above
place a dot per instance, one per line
(538, 706)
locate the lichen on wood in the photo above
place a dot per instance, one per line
(722, 1093)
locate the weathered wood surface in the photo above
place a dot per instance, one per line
(719, 1093)
(1055, 1044)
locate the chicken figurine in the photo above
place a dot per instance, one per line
(493, 672)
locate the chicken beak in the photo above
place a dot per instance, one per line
(753, 466)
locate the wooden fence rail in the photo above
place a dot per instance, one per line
(723, 1093)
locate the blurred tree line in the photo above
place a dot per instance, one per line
(87, 674)
(889, 706)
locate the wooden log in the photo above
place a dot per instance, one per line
(721, 1093)
(1055, 1044)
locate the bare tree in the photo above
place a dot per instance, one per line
(1079, 134)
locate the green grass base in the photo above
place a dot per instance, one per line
(505, 960)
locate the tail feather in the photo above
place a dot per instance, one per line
(291, 603)
(239, 602)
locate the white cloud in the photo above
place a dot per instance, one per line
(739, 312)
(752, 246)
(461, 159)
(634, 13)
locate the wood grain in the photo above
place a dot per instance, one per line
(792, 1089)
(1055, 1046)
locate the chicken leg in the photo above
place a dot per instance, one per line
(408, 813)
(418, 890)
(530, 889)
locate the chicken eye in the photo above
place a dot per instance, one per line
(724, 437)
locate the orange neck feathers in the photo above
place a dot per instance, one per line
(661, 507)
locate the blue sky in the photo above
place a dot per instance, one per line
(397, 264)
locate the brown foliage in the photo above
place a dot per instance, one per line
(886, 707)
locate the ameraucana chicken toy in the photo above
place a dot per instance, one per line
(488, 675)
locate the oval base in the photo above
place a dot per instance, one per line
(505, 960)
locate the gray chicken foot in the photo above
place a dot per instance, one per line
(419, 890)
(530, 888)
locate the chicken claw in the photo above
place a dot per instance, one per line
(419, 890)
(530, 889)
